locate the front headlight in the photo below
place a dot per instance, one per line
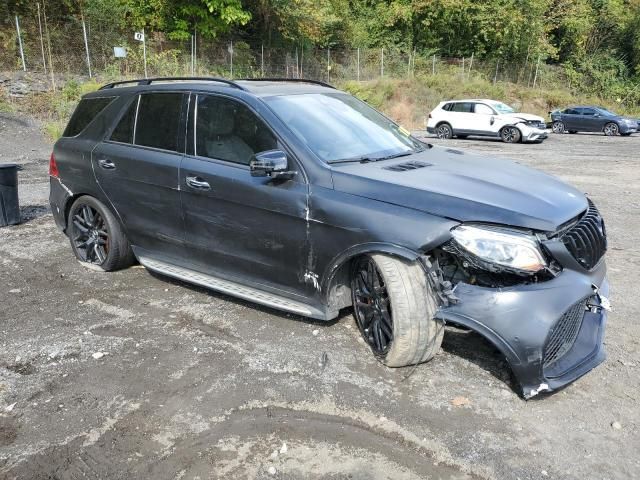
(510, 249)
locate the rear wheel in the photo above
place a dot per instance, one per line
(394, 307)
(510, 135)
(558, 127)
(96, 237)
(444, 131)
(611, 129)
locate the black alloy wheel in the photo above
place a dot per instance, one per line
(90, 234)
(372, 306)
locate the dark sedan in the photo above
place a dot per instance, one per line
(592, 119)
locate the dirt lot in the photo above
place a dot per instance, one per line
(193, 384)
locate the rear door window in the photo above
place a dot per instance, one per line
(462, 107)
(159, 119)
(85, 112)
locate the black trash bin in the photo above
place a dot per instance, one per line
(9, 205)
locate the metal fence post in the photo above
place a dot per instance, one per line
(24, 65)
(495, 78)
(358, 65)
(382, 62)
(433, 68)
(44, 60)
(144, 52)
(231, 52)
(86, 45)
(535, 77)
(328, 64)
(471, 63)
(262, 59)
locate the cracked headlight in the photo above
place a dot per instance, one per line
(510, 249)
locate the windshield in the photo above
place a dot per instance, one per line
(502, 107)
(606, 112)
(339, 127)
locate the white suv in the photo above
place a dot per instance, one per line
(488, 118)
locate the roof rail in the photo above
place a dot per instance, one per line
(279, 79)
(148, 81)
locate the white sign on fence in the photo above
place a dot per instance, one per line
(120, 52)
(139, 36)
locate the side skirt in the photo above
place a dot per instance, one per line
(232, 288)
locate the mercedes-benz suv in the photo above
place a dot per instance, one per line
(298, 196)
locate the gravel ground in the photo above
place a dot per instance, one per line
(132, 375)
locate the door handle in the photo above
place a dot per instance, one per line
(198, 183)
(106, 164)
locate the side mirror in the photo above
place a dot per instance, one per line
(272, 163)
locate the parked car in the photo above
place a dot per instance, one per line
(300, 197)
(487, 118)
(592, 119)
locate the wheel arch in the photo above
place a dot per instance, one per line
(72, 198)
(335, 284)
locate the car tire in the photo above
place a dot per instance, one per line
(557, 127)
(510, 134)
(96, 237)
(444, 131)
(394, 307)
(611, 129)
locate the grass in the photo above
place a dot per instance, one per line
(408, 101)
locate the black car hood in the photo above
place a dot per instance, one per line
(466, 187)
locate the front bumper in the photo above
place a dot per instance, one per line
(628, 128)
(530, 134)
(519, 321)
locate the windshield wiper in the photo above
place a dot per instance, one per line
(367, 159)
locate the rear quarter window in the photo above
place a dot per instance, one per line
(84, 114)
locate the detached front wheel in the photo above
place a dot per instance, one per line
(96, 237)
(394, 307)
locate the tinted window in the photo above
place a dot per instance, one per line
(462, 107)
(570, 111)
(228, 130)
(588, 111)
(124, 130)
(158, 123)
(447, 106)
(85, 112)
(483, 109)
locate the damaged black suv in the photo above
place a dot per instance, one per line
(295, 195)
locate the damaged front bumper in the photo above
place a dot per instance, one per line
(551, 332)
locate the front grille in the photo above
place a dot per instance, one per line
(587, 239)
(537, 124)
(563, 334)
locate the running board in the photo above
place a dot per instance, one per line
(231, 288)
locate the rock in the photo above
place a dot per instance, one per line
(272, 470)
(616, 425)
(315, 333)
(98, 355)
(283, 448)
(10, 407)
(274, 455)
(15, 290)
(544, 473)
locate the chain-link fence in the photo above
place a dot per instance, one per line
(85, 46)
